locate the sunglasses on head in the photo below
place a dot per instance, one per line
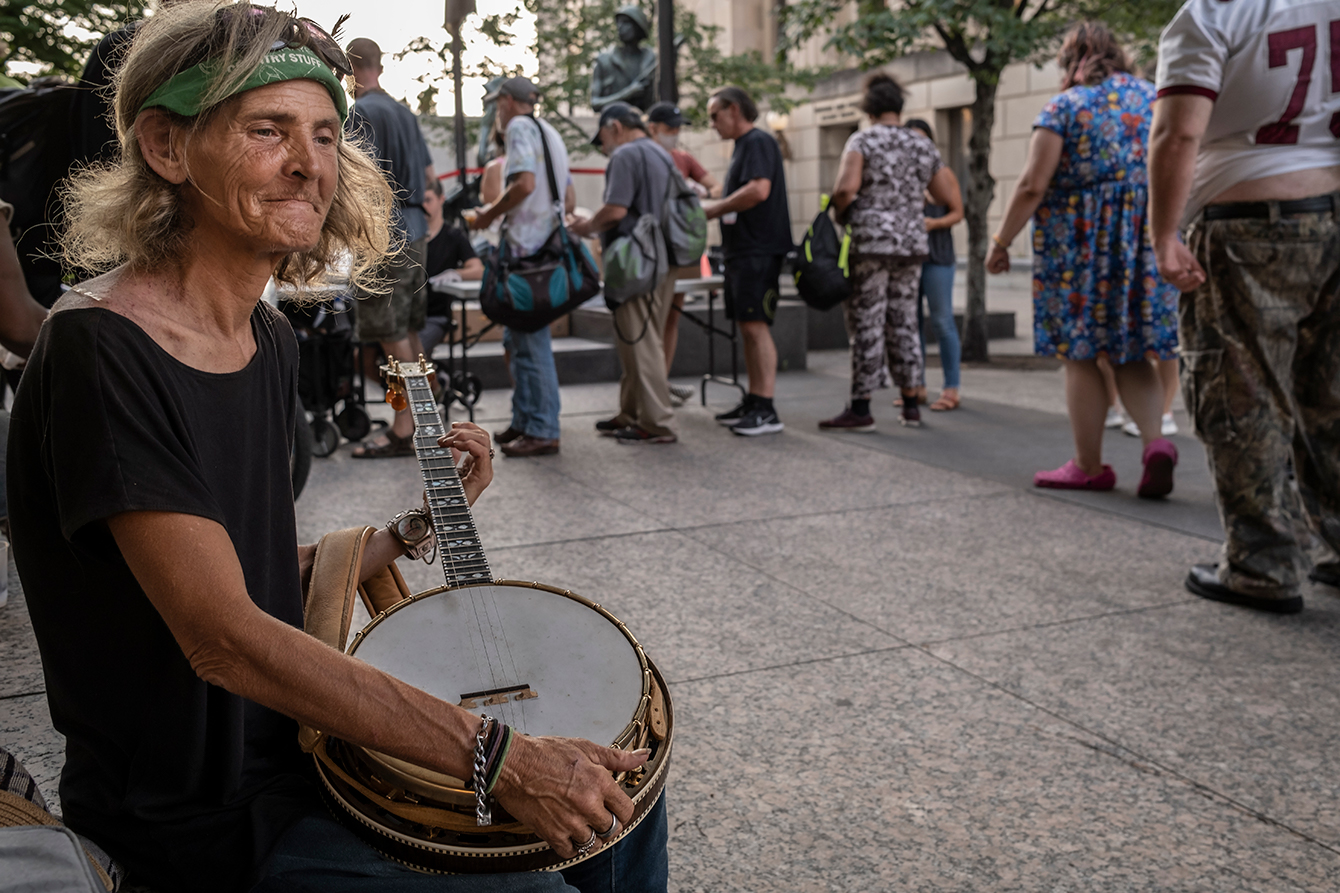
(305, 33)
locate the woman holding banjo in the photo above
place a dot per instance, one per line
(154, 530)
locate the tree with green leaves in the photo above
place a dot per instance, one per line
(571, 33)
(59, 36)
(984, 36)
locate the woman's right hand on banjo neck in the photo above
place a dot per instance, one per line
(563, 789)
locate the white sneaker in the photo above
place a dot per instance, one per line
(1114, 418)
(1167, 428)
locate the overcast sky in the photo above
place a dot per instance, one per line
(394, 23)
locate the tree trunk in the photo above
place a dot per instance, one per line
(981, 189)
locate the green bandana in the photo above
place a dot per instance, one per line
(184, 92)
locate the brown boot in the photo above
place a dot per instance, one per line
(525, 445)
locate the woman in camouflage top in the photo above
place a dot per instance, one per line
(886, 170)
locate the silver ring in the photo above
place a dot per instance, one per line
(490, 452)
(612, 830)
(585, 849)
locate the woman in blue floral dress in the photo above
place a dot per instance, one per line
(1096, 289)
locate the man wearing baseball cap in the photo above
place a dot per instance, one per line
(664, 119)
(529, 209)
(636, 181)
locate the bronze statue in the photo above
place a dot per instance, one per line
(626, 73)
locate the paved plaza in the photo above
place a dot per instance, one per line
(895, 665)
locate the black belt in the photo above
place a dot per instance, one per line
(1318, 204)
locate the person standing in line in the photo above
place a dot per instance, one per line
(1095, 289)
(1253, 181)
(937, 286)
(636, 180)
(528, 208)
(885, 173)
(393, 320)
(756, 235)
(664, 119)
(448, 257)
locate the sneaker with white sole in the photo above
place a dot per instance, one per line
(731, 417)
(682, 393)
(1167, 427)
(1115, 418)
(758, 420)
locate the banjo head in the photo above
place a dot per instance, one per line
(543, 665)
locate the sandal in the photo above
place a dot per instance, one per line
(948, 400)
(394, 446)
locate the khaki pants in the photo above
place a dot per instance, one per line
(644, 392)
(1260, 366)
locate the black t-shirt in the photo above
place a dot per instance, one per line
(447, 250)
(187, 785)
(766, 227)
(941, 241)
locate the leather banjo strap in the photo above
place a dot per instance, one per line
(329, 603)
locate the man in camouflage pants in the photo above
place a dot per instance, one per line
(1260, 277)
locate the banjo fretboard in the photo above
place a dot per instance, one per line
(458, 548)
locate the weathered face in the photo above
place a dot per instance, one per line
(262, 173)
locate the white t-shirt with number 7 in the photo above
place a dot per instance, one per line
(1272, 68)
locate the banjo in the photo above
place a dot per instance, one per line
(543, 660)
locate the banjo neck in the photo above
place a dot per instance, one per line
(458, 548)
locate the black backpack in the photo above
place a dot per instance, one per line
(822, 274)
(36, 153)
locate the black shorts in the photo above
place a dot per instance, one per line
(751, 287)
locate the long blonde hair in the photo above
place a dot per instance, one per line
(124, 213)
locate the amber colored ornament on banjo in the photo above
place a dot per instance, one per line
(395, 395)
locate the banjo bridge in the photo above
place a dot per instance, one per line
(496, 696)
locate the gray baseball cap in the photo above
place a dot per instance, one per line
(520, 89)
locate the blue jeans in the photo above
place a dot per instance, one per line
(535, 399)
(320, 854)
(937, 285)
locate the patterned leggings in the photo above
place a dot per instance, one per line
(881, 317)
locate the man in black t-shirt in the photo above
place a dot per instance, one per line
(756, 235)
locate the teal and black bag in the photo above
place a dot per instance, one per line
(528, 293)
(823, 275)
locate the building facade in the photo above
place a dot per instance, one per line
(814, 132)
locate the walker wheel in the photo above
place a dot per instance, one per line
(325, 437)
(354, 422)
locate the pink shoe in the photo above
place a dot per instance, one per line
(1160, 458)
(1071, 477)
